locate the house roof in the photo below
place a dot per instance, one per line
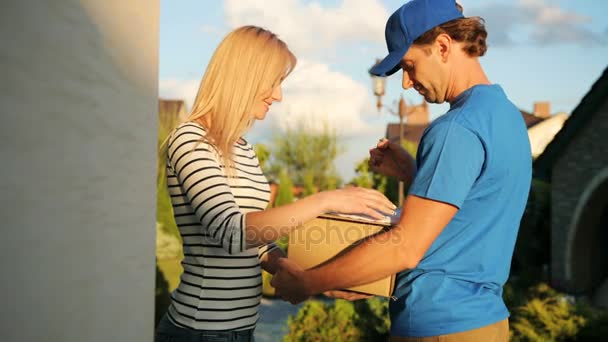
(171, 111)
(530, 119)
(171, 106)
(410, 132)
(543, 133)
(585, 110)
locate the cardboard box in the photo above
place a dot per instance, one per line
(324, 237)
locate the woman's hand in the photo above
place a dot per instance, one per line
(355, 200)
(390, 159)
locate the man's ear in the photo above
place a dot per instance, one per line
(443, 44)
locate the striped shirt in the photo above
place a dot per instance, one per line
(221, 286)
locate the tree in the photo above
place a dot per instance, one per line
(411, 147)
(307, 156)
(263, 154)
(309, 184)
(285, 192)
(365, 178)
(284, 196)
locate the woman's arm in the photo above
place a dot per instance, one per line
(199, 173)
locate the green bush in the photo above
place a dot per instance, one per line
(164, 210)
(318, 321)
(596, 328)
(162, 296)
(538, 313)
(267, 289)
(364, 320)
(546, 316)
(374, 318)
(532, 250)
(168, 246)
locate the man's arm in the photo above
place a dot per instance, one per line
(400, 248)
(450, 159)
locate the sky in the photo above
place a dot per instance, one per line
(538, 50)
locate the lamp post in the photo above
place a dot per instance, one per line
(378, 86)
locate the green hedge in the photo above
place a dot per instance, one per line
(364, 320)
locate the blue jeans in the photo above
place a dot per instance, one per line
(169, 332)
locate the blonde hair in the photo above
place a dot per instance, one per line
(247, 65)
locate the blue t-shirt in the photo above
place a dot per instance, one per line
(477, 158)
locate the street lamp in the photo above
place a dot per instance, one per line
(378, 87)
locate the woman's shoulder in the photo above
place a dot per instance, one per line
(243, 148)
(187, 134)
(187, 131)
(190, 127)
(243, 144)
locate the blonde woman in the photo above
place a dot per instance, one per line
(219, 193)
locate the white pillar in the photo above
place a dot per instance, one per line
(78, 126)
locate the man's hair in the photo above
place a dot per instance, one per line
(470, 31)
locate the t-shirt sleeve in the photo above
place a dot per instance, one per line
(198, 170)
(450, 159)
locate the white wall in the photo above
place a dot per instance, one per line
(78, 125)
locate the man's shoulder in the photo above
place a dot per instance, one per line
(450, 129)
(448, 122)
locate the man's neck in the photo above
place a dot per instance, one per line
(467, 74)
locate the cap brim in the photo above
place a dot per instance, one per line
(389, 65)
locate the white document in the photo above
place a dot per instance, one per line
(386, 220)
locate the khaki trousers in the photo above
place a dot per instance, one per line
(497, 332)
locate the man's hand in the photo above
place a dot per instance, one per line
(289, 282)
(270, 260)
(390, 159)
(347, 295)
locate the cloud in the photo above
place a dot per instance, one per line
(537, 22)
(179, 89)
(308, 27)
(315, 95)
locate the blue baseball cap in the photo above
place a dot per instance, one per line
(408, 23)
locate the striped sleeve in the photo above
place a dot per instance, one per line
(198, 171)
